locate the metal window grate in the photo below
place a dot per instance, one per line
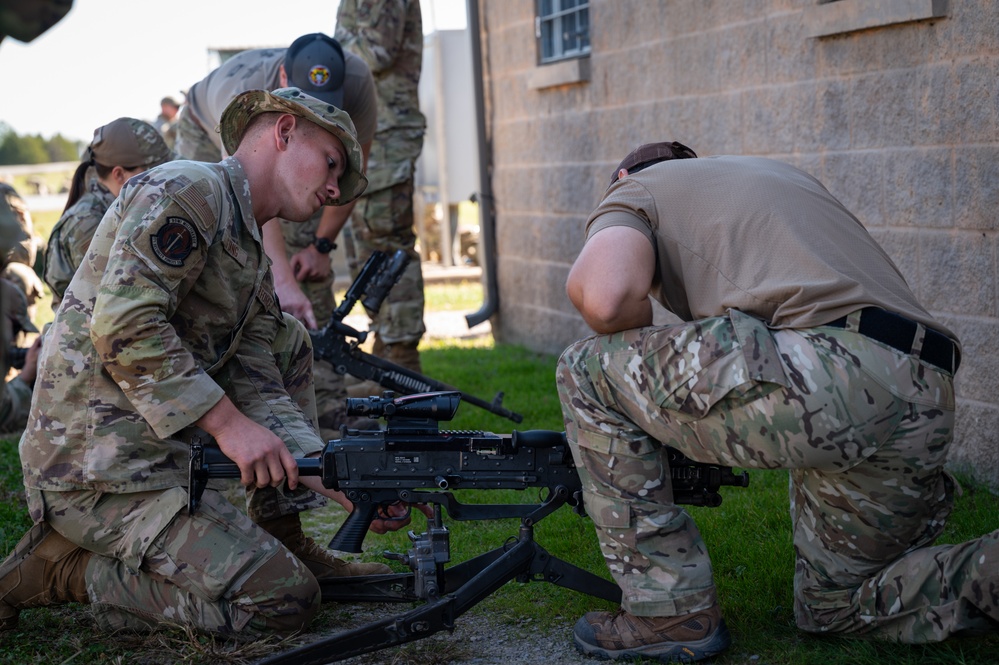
(562, 28)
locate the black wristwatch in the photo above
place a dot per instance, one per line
(323, 245)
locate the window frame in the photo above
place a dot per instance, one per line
(554, 19)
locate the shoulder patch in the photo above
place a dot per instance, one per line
(174, 241)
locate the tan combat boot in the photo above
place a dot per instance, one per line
(288, 530)
(684, 639)
(44, 569)
(404, 354)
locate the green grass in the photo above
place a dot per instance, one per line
(457, 296)
(43, 221)
(749, 538)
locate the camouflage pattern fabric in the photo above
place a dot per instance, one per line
(215, 571)
(388, 36)
(19, 237)
(172, 308)
(863, 429)
(383, 222)
(193, 142)
(177, 269)
(167, 129)
(71, 237)
(26, 20)
(331, 388)
(28, 283)
(16, 395)
(21, 244)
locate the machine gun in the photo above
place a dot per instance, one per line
(331, 343)
(414, 461)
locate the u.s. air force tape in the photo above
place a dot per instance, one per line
(175, 241)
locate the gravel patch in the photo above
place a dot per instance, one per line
(477, 639)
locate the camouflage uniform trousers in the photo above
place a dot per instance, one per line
(293, 354)
(863, 429)
(383, 221)
(331, 387)
(154, 563)
(215, 570)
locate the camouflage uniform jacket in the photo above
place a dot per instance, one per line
(388, 36)
(174, 292)
(71, 237)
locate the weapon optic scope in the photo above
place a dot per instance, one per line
(438, 406)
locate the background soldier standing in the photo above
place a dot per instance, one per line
(388, 35)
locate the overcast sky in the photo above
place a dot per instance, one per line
(113, 58)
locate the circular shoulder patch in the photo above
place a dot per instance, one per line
(319, 75)
(175, 241)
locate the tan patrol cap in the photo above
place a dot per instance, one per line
(129, 142)
(237, 116)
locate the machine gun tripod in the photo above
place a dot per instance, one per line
(470, 582)
(413, 461)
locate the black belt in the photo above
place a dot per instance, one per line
(899, 332)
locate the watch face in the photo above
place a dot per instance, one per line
(323, 245)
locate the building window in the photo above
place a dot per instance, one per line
(563, 29)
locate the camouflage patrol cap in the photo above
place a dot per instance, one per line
(651, 153)
(129, 142)
(237, 116)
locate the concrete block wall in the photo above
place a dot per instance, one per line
(900, 121)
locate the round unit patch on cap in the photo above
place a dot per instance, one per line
(131, 143)
(244, 107)
(315, 64)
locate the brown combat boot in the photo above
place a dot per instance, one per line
(288, 529)
(44, 569)
(682, 639)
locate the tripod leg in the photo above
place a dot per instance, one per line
(417, 624)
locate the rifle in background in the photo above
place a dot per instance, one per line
(339, 344)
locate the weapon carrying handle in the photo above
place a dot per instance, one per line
(537, 438)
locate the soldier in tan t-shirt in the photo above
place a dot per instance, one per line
(801, 348)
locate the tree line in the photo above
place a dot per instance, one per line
(34, 149)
